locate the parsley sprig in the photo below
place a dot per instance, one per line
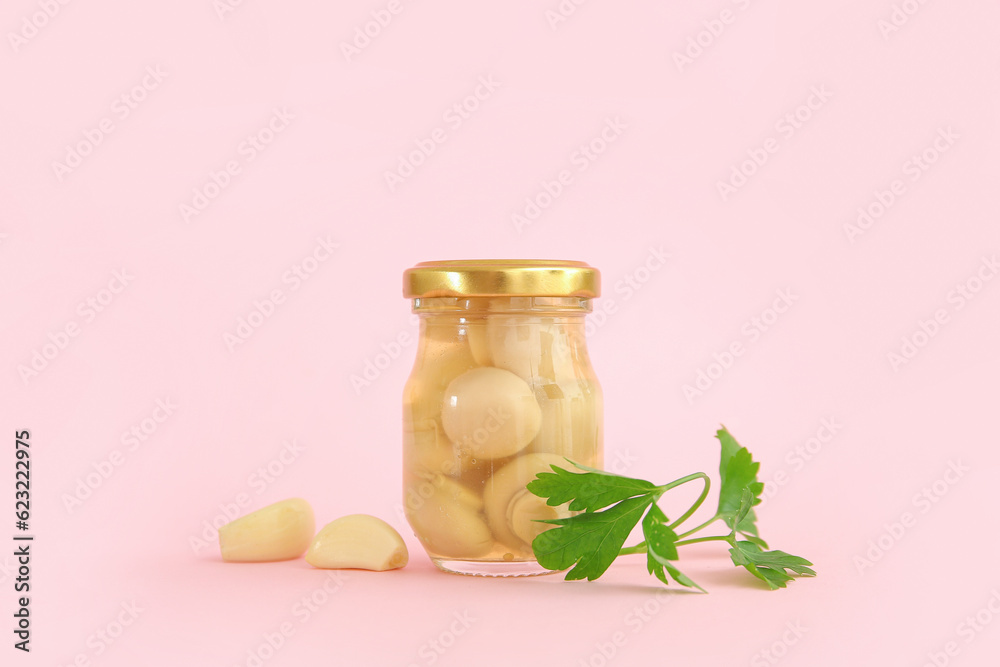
(610, 506)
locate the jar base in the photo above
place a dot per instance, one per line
(496, 568)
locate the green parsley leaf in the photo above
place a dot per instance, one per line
(756, 540)
(587, 491)
(589, 541)
(769, 566)
(659, 537)
(661, 548)
(682, 578)
(738, 471)
(746, 505)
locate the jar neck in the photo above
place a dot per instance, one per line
(560, 306)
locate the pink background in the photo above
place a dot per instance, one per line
(682, 128)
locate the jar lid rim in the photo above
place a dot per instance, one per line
(501, 277)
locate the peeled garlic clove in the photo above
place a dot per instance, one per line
(358, 541)
(428, 452)
(490, 411)
(277, 532)
(510, 508)
(442, 359)
(532, 348)
(447, 518)
(525, 514)
(572, 422)
(441, 489)
(479, 343)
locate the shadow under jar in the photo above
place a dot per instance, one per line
(502, 388)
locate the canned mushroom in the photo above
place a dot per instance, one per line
(502, 388)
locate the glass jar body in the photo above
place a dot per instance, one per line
(502, 388)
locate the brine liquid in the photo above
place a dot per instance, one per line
(493, 400)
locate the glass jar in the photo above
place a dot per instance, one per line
(502, 388)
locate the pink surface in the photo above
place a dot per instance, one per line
(210, 160)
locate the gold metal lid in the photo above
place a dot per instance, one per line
(501, 277)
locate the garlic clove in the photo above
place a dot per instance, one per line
(491, 411)
(532, 348)
(479, 342)
(572, 420)
(428, 452)
(358, 541)
(447, 517)
(441, 360)
(510, 512)
(277, 532)
(525, 514)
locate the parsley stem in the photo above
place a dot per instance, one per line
(683, 480)
(714, 538)
(694, 508)
(637, 549)
(696, 529)
(641, 547)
